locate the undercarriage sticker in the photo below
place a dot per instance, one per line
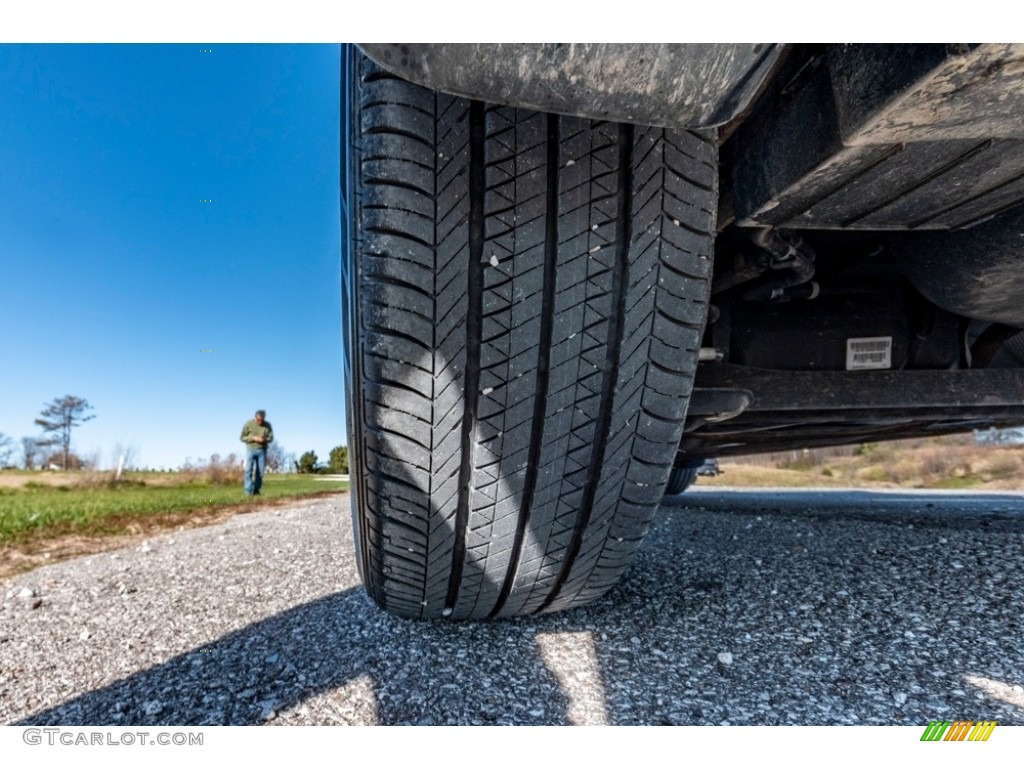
(869, 354)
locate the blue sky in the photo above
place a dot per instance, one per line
(117, 274)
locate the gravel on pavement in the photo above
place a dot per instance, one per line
(745, 608)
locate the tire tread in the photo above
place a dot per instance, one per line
(530, 292)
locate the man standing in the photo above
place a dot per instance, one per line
(257, 434)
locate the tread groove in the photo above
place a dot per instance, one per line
(543, 361)
(602, 425)
(474, 331)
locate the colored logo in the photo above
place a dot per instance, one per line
(959, 730)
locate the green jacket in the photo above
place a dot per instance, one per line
(251, 429)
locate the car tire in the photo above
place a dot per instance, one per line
(680, 479)
(525, 295)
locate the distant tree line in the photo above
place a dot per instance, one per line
(337, 462)
(62, 415)
(992, 436)
(57, 420)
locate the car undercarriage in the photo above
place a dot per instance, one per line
(577, 271)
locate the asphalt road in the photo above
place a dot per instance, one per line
(743, 607)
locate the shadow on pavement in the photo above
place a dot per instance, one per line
(728, 615)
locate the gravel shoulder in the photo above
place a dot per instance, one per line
(742, 608)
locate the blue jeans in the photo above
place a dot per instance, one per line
(255, 465)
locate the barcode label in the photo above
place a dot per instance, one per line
(869, 354)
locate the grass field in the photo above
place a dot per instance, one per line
(49, 516)
(954, 462)
(41, 505)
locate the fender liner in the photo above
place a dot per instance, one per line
(697, 85)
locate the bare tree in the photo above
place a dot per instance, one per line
(6, 449)
(30, 451)
(130, 454)
(59, 418)
(278, 459)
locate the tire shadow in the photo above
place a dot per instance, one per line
(421, 673)
(728, 615)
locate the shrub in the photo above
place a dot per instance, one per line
(96, 480)
(872, 475)
(1005, 465)
(307, 463)
(216, 471)
(228, 471)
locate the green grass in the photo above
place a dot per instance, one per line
(957, 483)
(40, 510)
